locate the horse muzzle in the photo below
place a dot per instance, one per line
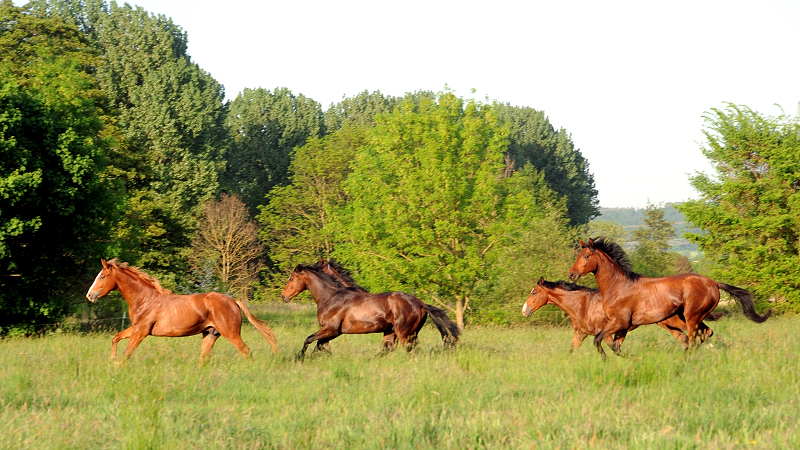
(573, 276)
(92, 296)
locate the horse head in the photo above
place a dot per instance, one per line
(536, 299)
(585, 262)
(295, 285)
(103, 283)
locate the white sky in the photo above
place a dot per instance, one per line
(630, 80)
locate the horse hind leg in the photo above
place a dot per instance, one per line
(210, 336)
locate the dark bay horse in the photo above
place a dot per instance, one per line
(343, 310)
(156, 311)
(584, 306)
(630, 299)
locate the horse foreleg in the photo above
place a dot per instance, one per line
(389, 341)
(577, 340)
(124, 334)
(325, 334)
(616, 345)
(704, 332)
(136, 337)
(323, 345)
(612, 327)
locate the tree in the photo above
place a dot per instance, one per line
(228, 237)
(611, 230)
(266, 127)
(171, 120)
(296, 220)
(429, 202)
(749, 210)
(56, 205)
(533, 140)
(651, 257)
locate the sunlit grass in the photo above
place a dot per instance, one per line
(501, 388)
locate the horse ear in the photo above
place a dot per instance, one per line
(580, 241)
(299, 268)
(104, 263)
(590, 244)
(321, 261)
(541, 281)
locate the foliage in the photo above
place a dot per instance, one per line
(533, 140)
(171, 119)
(228, 238)
(295, 222)
(610, 229)
(266, 128)
(429, 208)
(651, 256)
(359, 110)
(749, 211)
(56, 208)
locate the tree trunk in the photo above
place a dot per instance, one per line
(459, 313)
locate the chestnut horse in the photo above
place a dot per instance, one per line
(156, 311)
(343, 310)
(584, 306)
(630, 299)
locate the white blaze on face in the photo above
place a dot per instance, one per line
(525, 310)
(91, 288)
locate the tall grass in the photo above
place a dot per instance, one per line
(500, 388)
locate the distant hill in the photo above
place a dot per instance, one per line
(632, 218)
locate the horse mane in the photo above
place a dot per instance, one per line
(137, 273)
(344, 273)
(567, 286)
(318, 270)
(617, 254)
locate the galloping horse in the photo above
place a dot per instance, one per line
(156, 311)
(630, 299)
(584, 306)
(343, 310)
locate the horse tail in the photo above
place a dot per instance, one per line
(746, 300)
(260, 326)
(448, 329)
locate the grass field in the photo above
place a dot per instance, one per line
(500, 388)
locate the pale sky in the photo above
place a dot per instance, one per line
(629, 80)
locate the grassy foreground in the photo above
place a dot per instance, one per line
(501, 388)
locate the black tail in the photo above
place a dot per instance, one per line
(447, 327)
(746, 301)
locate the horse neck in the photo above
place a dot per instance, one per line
(608, 274)
(321, 290)
(133, 290)
(570, 301)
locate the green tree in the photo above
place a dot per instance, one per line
(533, 140)
(56, 205)
(612, 230)
(749, 210)
(359, 110)
(171, 118)
(429, 203)
(266, 127)
(651, 257)
(295, 222)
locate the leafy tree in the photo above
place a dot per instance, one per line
(228, 237)
(611, 230)
(295, 222)
(171, 119)
(359, 110)
(266, 128)
(428, 202)
(533, 140)
(749, 210)
(56, 208)
(651, 257)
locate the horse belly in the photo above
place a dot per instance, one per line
(371, 321)
(181, 319)
(654, 309)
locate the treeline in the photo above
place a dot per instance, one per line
(116, 144)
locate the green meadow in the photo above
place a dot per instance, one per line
(516, 387)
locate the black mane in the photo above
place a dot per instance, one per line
(567, 286)
(344, 273)
(617, 254)
(318, 270)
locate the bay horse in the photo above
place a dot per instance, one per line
(156, 311)
(584, 306)
(343, 310)
(630, 299)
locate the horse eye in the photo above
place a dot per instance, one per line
(586, 256)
